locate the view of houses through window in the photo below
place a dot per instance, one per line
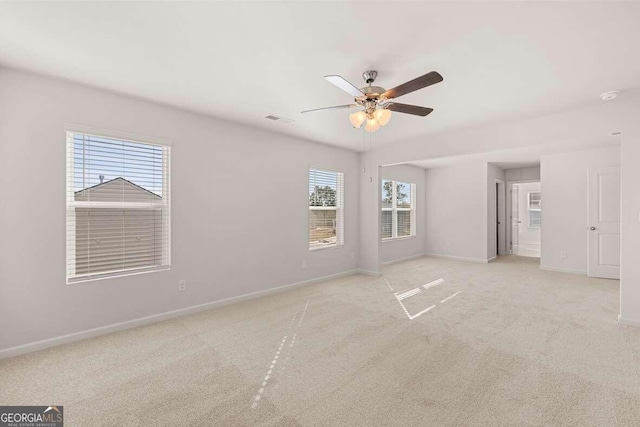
(117, 206)
(326, 201)
(398, 209)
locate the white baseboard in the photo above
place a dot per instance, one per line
(457, 258)
(628, 322)
(493, 258)
(408, 258)
(563, 270)
(369, 272)
(103, 330)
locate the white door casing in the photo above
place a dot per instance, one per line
(603, 223)
(501, 213)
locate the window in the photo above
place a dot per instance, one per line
(535, 209)
(117, 207)
(398, 209)
(326, 209)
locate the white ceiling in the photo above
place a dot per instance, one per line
(242, 61)
(524, 157)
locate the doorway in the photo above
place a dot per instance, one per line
(603, 234)
(525, 213)
(501, 240)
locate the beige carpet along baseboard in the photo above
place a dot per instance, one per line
(114, 327)
(457, 258)
(397, 260)
(563, 270)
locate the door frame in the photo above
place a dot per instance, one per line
(508, 248)
(501, 195)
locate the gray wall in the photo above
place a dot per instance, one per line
(522, 174)
(222, 249)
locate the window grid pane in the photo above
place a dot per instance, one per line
(404, 223)
(387, 194)
(386, 224)
(403, 191)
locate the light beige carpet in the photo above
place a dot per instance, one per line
(516, 345)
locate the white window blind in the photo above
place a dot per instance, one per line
(118, 211)
(398, 209)
(326, 209)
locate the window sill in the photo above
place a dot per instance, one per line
(120, 274)
(324, 248)
(395, 239)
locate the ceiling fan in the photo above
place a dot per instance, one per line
(377, 101)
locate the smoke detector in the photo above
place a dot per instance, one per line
(608, 96)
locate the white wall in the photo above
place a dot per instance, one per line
(493, 173)
(218, 245)
(406, 247)
(522, 174)
(456, 220)
(564, 206)
(630, 223)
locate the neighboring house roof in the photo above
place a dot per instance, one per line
(115, 181)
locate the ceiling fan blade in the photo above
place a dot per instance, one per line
(344, 85)
(337, 107)
(413, 85)
(408, 109)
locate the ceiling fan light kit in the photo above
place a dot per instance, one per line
(357, 119)
(382, 116)
(376, 100)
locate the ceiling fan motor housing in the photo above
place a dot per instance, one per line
(370, 76)
(372, 92)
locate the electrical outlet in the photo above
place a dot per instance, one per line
(304, 264)
(563, 254)
(182, 285)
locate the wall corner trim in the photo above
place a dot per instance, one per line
(628, 322)
(369, 272)
(408, 258)
(114, 327)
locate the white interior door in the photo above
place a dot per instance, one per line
(515, 220)
(604, 223)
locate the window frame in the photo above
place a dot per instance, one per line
(394, 209)
(339, 209)
(71, 204)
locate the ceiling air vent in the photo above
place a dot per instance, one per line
(278, 119)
